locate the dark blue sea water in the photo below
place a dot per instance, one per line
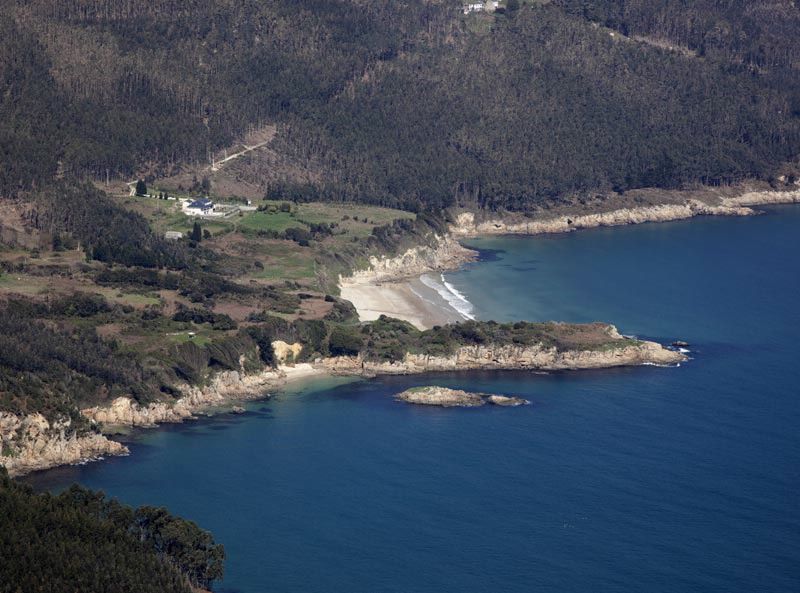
(644, 479)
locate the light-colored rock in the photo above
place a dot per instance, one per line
(284, 351)
(221, 389)
(763, 198)
(30, 443)
(467, 224)
(448, 398)
(502, 400)
(441, 396)
(445, 254)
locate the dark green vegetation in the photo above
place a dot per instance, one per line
(106, 231)
(389, 339)
(408, 104)
(79, 350)
(54, 361)
(81, 541)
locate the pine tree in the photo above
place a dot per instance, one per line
(141, 188)
(197, 232)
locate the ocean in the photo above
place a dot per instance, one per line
(639, 479)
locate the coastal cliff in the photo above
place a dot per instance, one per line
(468, 224)
(31, 443)
(445, 254)
(223, 388)
(510, 357)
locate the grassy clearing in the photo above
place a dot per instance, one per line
(200, 338)
(14, 283)
(267, 221)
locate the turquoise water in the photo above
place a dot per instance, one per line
(642, 479)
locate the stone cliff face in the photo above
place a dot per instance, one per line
(223, 388)
(511, 357)
(468, 225)
(759, 198)
(445, 255)
(30, 443)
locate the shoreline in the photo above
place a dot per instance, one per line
(391, 286)
(387, 286)
(44, 445)
(682, 205)
(48, 447)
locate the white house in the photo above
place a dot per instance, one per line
(173, 235)
(199, 207)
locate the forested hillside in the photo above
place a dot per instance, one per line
(405, 103)
(80, 541)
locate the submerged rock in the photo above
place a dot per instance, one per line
(502, 400)
(449, 398)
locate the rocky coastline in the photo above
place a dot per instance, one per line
(510, 357)
(32, 443)
(445, 253)
(742, 203)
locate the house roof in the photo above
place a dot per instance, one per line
(201, 203)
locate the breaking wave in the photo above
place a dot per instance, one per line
(450, 294)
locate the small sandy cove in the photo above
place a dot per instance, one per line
(400, 300)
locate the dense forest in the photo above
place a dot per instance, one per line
(81, 541)
(409, 104)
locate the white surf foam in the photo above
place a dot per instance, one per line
(450, 294)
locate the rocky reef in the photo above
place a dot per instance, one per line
(449, 398)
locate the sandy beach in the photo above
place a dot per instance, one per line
(410, 300)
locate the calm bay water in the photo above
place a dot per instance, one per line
(642, 479)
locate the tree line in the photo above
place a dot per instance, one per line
(81, 541)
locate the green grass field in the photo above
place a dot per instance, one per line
(266, 221)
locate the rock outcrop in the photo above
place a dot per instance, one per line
(504, 400)
(446, 254)
(222, 388)
(441, 396)
(286, 352)
(763, 198)
(30, 443)
(448, 398)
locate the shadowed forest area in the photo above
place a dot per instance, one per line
(408, 105)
